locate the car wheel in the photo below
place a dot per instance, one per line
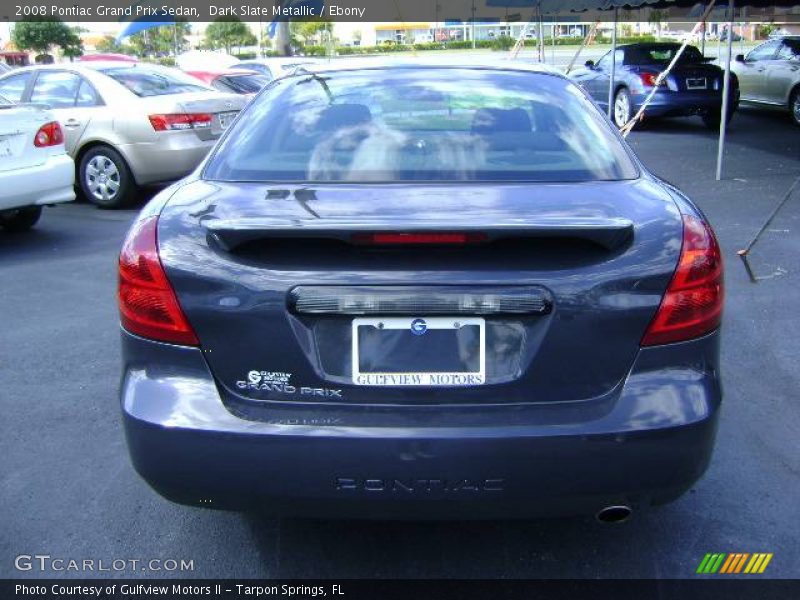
(105, 178)
(622, 107)
(794, 106)
(20, 219)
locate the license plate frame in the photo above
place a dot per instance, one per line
(696, 83)
(401, 378)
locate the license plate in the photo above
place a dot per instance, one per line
(5, 147)
(696, 83)
(226, 118)
(419, 351)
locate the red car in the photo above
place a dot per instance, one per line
(232, 80)
(110, 56)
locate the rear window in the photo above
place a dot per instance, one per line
(241, 84)
(146, 82)
(5, 101)
(422, 124)
(654, 55)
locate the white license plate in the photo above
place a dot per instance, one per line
(696, 83)
(5, 148)
(419, 351)
(226, 118)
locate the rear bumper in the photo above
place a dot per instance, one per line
(649, 445)
(173, 155)
(668, 103)
(48, 183)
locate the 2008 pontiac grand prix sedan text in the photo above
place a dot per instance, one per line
(421, 291)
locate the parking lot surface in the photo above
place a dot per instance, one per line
(68, 490)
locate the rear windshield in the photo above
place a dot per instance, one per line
(422, 124)
(653, 55)
(5, 101)
(146, 82)
(241, 84)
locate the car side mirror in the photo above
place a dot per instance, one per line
(739, 58)
(589, 64)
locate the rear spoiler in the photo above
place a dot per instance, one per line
(610, 233)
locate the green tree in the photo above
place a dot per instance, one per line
(73, 47)
(40, 36)
(160, 41)
(108, 45)
(227, 32)
(310, 31)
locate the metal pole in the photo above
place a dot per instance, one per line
(723, 121)
(473, 24)
(613, 66)
(703, 41)
(540, 37)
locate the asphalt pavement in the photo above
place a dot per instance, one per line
(68, 490)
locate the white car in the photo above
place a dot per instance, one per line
(275, 67)
(35, 169)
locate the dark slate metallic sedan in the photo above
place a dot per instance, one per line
(694, 87)
(421, 291)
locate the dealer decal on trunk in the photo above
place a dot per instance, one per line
(278, 381)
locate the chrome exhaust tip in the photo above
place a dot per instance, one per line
(618, 513)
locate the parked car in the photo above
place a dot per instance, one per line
(126, 124)
(233, 81)
(769, 75)
(35, 170)
(779, 33)
(694, 87)
(274, 67)
(366, 303)
(108, 56)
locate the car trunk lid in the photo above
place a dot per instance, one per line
(18, 127)
(222, 108)
(558, 287)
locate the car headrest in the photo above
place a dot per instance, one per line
(492, 120)
(341, 116)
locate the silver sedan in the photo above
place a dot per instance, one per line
(769, 75)
(126, 125)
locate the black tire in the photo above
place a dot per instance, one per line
(20, 219)
(712, 119)
(618, 114)
(794, 106)
(105, 179)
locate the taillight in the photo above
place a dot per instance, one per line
(649, 80)
(180, 121)
(49, 134)
(147, 303)
(429, 238)
(692, 304)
